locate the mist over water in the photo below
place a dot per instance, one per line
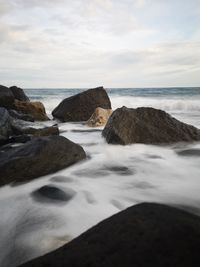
(111, 179)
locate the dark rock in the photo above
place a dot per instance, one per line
(40, 156)
(53, 194)
(6, 97)
(120, 170)
(143, 235)
(148, 126)
(35, 109)
(47, 131)
(19, 138)
(81, 106)
(5, 125)
(195, 152)
(19, 93)
(20, 116)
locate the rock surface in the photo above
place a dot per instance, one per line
(5, 125)
(40, 156)
(6, 97)
(99, 117)
(148, 126)
(144, 235)
(81, 106)
(19, 93)
(20, 116)
(46, 131)
(35, 109)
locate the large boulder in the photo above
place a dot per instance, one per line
(148, 126)
(20, 116)
(35, 109)
(40, 156)
(5, 125)
(99, 117)
(144, 235)
(19, 93)
(6, 97)
(81, 106)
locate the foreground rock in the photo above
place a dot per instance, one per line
(144, 235)
(99, 117)
(19, 93)
(6, 97)
(80, 107)
(24, 130)
(35, 109)
(40, 156)
(148, 126)
(5, 125)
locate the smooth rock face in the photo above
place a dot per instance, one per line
(40, 156)
(5, 125)
(53, 194)
(19, 93)
(144, 235)
(99, 117)
(6, 97)
(35, 109)
(148, 126)
(80, 107)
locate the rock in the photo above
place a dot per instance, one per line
(6, 97)
(81, 106)
(148, 126)
(140, 236)
(193, 152)
(99, 117)
(5, 125)
(19, 93)
(53, 194)
(20, 116)
(47, 131)
(35, 109)
(40, 156)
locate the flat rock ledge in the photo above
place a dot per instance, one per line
(148, 126)
(147, 234)
(38, 157)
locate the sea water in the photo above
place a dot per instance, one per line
(111, 179)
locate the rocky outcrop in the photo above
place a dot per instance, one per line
(81, 106)
(5, 125)
(35, 109)
(20, 116)
(143, 235)
(6, 97)
(19, 93)
(148, 126)
(40, 156)
(99, 117)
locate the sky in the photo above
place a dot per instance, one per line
(89, 43)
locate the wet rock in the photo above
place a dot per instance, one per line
(40, 156)
(147, 125)
(140, 236)
(20, 116)
(193, 152)
(5, 125)
(6, 97)
(35, 109)
(119, 170)
(81, 106)
(99, 117)
(51, 193)
(19, 93)
(46, 131)
(61, 179)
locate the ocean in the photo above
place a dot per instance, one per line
(111, 179)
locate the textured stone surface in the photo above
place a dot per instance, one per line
(19, 93)
(81, 106)
(99, 117)
(148, 126)
(5, 125)
(6, 97)
(144, 235)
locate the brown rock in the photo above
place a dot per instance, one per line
(148, 126)
(81, 106)
(99, 117)
(35, 109)
(47, 131)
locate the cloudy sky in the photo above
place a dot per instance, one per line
(87, 43)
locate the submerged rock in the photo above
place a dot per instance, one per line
(40, 156)
(6, 97)
(81, 106)
(148, 126)
(99, 117)
(35, 109)
(46, 131)
(192, 152)
(143, 235)
(53, 194)
(19, 93)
